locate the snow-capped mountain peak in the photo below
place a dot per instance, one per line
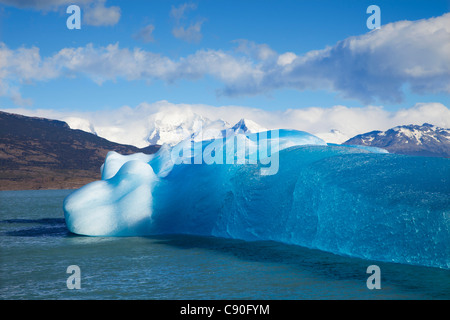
(167, 125)
(198, 128)
(171, 129)
(244, 126)
(247, 126)
(426, 139)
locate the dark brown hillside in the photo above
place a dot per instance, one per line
(37, 153)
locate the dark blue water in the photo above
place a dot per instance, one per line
(36, 250)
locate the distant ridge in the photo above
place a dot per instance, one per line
(39, 153)
(425, 140)
(163, 127)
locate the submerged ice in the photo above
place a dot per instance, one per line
(347, 200)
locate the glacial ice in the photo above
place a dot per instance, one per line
(347, 200)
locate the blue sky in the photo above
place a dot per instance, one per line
(246, 37)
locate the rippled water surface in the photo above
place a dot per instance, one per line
(36, 249)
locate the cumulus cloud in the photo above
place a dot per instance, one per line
(25, 64)
(376, 65)
(97, 14)
(112, 62)
(21, 66)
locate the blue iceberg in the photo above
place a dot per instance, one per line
(361, 202)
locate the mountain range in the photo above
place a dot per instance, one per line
(163, 127)
(42, 153)
(416, 140)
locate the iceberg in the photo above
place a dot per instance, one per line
(360, 202)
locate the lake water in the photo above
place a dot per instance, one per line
(36, 249)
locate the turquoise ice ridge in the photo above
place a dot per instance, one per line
(360, 202)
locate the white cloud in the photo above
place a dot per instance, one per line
(376, 65)
(98, 15)
(21, 66)
(112, 62)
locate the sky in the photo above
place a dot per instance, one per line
(279, 57)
